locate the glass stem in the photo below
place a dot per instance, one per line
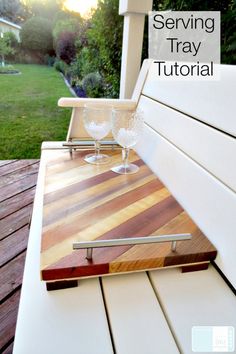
(125, 157)
(97, 148)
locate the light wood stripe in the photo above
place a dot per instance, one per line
(79, 172)
(133, 257)
(92, 197)
(69, 225)
(99, 228)
(87, 202)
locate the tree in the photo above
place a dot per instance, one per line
(44, 8)
(36, 35)
(105, 41)
(228, 20)
(5, 49)
(66, 25)
(13, 10)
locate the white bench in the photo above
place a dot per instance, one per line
(190, 130)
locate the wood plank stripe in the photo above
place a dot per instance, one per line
(14, 244)
(102, 227)
(93, 197)
(9, 349)
(56, 162)
(83, 185)
(15, 221)
(86, 202)
(155, 256)
(16, 166)
(8, 315)
(78, 173)
(11, 276)
(19, 174)
(201, 250)
(179, 224)
(23, 184)
(142, 224)
(16, 202)
(70, 226)
(6, 162)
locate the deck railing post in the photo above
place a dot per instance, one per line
(134, 12)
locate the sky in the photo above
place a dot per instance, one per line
(81, 6)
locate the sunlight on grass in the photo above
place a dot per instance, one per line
(28, 111)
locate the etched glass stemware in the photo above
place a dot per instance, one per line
(126, 129)
(97, 122)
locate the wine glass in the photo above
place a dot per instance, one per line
(126, 129)
(97, 122)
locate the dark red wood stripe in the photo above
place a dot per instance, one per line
(82, 185)
(83, 202)
(143, 224)
(198, 249)
(89, 218)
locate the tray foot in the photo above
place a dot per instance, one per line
(195, 267)
(64, 284)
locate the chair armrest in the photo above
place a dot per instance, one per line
(81, 102)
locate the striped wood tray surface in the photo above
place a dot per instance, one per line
(87, 202)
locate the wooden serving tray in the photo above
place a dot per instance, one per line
(87, 202)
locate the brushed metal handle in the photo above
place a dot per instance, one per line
(90, 245)
(87, 144)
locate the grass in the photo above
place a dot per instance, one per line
(29, 113)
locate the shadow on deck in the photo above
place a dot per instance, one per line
(17, 188)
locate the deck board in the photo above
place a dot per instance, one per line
(17, 188)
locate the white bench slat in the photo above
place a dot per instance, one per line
(65, 321)
(137, 321)
(210, 102)
(212, 149)
(194, 299)
(209, 202)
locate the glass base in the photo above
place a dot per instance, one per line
(97, 159)
(125, 170)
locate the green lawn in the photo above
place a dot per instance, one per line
(28, 111)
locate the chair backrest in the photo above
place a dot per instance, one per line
(189, 142)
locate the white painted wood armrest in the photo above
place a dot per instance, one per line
(81, 102)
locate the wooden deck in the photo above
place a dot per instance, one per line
(17, 188)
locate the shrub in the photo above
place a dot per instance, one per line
(79, 91)
(93, 85)
(49, 60)
(9, 69)
(11, 39)
(5, 48)
(36, 35)
(86, 61)
(61, 66)
(73, 73)
(65, 48)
